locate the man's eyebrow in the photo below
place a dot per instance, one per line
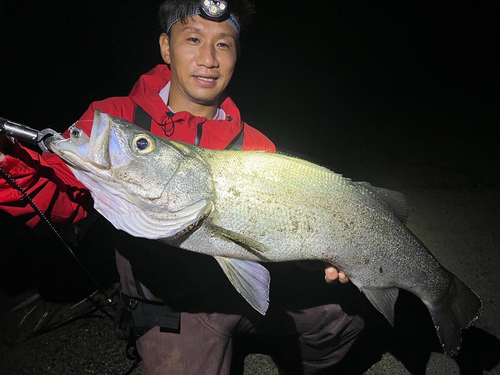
(226, 35)
(196, 30)
(191, 28)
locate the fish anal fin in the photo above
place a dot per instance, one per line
(250, 279)
(383, 300)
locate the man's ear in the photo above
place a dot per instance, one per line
(165, 48)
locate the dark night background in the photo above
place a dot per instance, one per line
(416, 79)
(338, 82)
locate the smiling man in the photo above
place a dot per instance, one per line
(202, 56)
(184, 314)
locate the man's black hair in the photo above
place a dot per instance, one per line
(242, 10)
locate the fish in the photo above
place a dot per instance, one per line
(246, 208)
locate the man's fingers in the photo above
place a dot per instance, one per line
(343, 278)
(332, 274)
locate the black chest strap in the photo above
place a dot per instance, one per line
(143, 119)
(237, 143)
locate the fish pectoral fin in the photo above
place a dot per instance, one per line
(253, 246)
(250, 279)
(383, 300)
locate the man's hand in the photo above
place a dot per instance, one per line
(332, 274)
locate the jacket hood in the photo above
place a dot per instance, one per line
(145, 93)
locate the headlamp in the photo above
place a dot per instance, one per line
(213, 10)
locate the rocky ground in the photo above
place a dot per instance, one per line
(456, 215)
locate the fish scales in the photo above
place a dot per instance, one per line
(311, 214)
(279, 208)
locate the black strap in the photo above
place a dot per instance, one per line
(135, 317)
(199, 133)
(141, 118)
(237, 143)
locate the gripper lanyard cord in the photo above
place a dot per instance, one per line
(12, 182)
(44, 218)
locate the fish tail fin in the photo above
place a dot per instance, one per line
(459, 310)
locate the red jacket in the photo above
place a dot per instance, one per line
(63, 198)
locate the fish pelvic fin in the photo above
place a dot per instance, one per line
(458, 310)
(249, 244)
(383, 300)
(250, 279)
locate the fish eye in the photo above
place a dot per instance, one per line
(143, 144)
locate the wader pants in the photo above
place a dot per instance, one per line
(301, 334)
(205, 344)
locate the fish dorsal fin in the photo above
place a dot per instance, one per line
(253, 246)
(301, 160)
(383, 300)
(250, 279)
(395, 200)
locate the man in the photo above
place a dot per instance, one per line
(183, 100)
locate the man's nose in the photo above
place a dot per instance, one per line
(207, 56)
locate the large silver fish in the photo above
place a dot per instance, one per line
(249, 207)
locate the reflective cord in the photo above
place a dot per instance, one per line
(168, 128)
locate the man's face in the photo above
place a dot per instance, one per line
(202, 56)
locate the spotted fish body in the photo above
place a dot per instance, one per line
(244, 208)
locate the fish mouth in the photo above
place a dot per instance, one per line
(72, 152)
(97, 153)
